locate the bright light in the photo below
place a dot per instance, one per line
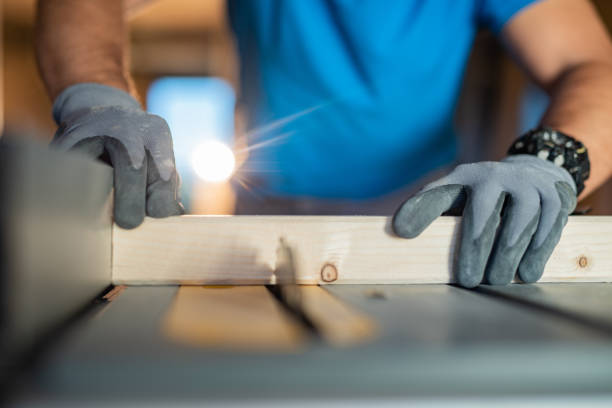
(213, 161)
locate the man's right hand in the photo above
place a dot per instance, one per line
(105, 122)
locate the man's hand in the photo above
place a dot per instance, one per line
(102, 121)
(81, 48)
(526, 198)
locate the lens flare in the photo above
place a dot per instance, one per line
(213, 161)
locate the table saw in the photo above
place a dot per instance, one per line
(184, 311)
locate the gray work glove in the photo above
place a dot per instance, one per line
(536, 197)
(104, 122)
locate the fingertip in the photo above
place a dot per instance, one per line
(502, 264)
(130, 188)
(469, 280)
(403, 228)
(163, 198)
(500, 277)
(470, 264)
(499, 281)
(530, 273)
(162, 204)
(567, 195)
(128, 220)
(419, 211)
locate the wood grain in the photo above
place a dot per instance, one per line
(217, 250)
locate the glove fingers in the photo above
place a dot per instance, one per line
(130, 185)
(124, 126)
(518, 225)
(477, 238)
(420, 210)
(68, 136)
(539, 250)
(162, 195)
(92, 147)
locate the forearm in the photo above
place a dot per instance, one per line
(82, 41)
(581, 106)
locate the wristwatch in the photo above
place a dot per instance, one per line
(557, 147)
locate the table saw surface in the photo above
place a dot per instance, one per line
(430, 341)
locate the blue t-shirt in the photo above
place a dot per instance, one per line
(353, 98)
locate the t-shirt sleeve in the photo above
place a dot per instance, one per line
(494, 14)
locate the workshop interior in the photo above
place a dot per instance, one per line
(194, 234)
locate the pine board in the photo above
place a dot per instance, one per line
(239, 250)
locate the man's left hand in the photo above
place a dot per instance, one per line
(526, 198)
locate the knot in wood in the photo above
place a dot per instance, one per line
(583, 261)
(329, 273)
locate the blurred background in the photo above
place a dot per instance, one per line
(185, 69)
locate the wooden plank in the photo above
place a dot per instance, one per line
(587, 302)
(232, 318)
(219, 250)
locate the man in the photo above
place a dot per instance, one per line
(360, 96)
